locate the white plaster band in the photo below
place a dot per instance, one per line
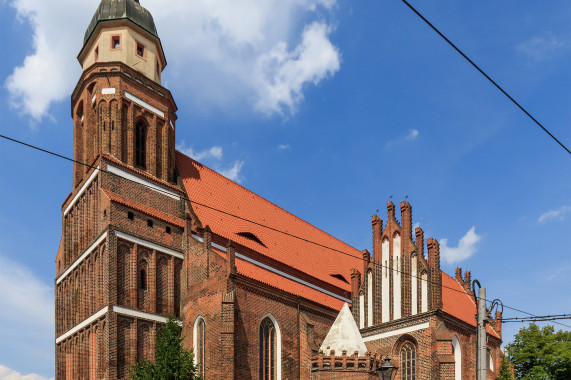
(276, 271)
(148, 244)
(404, 330)
(139, 314)
(107, 91)
(85, 254)
(83, 324)
(93, 99)
(144, 104)
(130, 177)
(81, 191)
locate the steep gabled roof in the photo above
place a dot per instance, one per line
(459, 303)
(206, 187)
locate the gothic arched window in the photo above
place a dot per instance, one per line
(408, 362)
(200, 346)
(141, 145)
(268, 350)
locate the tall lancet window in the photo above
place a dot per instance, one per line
(141, 145)
(200, 346)
(408, 362)
(269, 350)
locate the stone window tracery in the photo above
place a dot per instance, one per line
(408, 362)
(268, 343)
(200, 346)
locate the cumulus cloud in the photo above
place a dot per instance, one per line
(26, 320)
(284, 73)
(232, 172)
(284, 147)
(558, 214)
(9, 374)
(465, 249)
(412, 134)
(213, 156)
(541, 47)
(261, 53)
(214, 152)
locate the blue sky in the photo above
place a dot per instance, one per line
(327, 108)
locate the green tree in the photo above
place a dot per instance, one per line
(172, 361)
(505, 372)
(541, 353)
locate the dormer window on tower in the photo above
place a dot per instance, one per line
(141, 145)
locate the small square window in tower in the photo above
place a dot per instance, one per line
(140, 50)
(116, 42)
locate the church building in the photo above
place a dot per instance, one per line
(148, 233)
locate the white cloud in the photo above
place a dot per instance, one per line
(214, 155)
(9, 374)
(541, 47)
(284, 73)
(284, 147)
(215, 152)
(465, 249)
(558, 214)
(223, 53)
(233, 172)
(26, 320)
(412, 134)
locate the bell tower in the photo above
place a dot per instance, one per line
(118, 267)
(119, 107)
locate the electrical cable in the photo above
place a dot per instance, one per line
(540, 318)
(486, 75)
(258, 224)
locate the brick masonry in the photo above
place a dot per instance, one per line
(132, 254)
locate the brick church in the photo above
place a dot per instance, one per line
(148, 233)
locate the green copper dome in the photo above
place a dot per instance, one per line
(122, 9)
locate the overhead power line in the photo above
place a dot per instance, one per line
(539, 318)
(259, 224)
(486, 75)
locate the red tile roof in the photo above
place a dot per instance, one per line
(207, 187)
(269, 278)
(459, 303)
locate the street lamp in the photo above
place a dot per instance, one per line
(387, 370)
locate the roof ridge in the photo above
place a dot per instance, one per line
(273, 204)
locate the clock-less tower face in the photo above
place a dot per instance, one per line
(118, 267)
(119, 106)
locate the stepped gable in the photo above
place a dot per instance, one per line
(207, 187)
(344, 335)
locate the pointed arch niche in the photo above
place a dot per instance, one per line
(199, 344)
(457, 358)
(270, 349)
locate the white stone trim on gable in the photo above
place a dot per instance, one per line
(144, 104)
(404, 330)
(276, 271)
(82, 257)
(81, 191)
(148, 244)
(131, 177)
(83, 324)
